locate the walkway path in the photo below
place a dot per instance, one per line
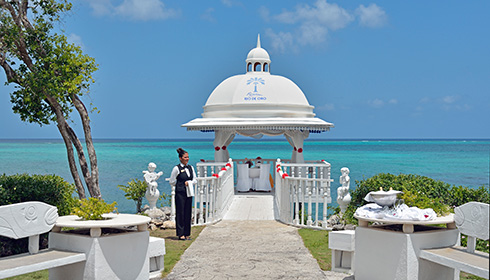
(250, 244)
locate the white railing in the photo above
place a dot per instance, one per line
(305, 190)
(213, 192)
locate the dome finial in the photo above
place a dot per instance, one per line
(258, 40)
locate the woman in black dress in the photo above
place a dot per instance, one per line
(183, 176)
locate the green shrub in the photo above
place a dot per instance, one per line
(135, 190)
(50, 189)
(93, 208)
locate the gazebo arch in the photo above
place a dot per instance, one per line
(256, 104)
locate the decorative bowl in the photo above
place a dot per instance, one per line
(383, 198)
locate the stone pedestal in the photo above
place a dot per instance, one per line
(386, 253)
(342, 244)
(114, 256)
(156, 253)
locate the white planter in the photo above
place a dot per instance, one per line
(393, 255)
(114, 256)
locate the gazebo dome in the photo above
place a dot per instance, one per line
(257, 94)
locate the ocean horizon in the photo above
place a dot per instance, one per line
(454, 161)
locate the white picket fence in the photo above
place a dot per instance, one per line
(213, 192)
(302, 198)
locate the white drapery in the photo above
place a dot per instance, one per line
(222, 138)
(296, 139)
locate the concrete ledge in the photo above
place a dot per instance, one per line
(342, 244)
(455, 257)
(156, 254)
(45, 259)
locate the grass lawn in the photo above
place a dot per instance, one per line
(174, 249)
(317, 243)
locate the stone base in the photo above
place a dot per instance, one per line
(386, 253)
(114, 256)
(156, 253)
(342, 244)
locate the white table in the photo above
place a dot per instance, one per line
(254, 172)
(408, 225)
(95, 226)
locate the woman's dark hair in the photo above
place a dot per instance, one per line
(181, 152)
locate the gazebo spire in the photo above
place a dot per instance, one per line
(258, 59)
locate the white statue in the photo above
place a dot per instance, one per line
(152, 194)
(343, 196)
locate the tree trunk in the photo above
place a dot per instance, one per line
(71, 162)
(94, 189)
(71, 140)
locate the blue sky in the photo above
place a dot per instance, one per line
(376, 69)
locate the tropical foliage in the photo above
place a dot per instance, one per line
(135, 190)
(93, 208)
(50, 76)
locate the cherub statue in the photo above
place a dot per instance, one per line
(152, 193)
(343, 196)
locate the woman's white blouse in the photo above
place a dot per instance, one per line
(175, 172)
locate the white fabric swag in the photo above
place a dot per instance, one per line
(296, 139)
(222, 139)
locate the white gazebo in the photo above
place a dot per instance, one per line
(255, 104)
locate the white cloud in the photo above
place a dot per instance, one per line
(75, 39)
(281, 42)
(231, 3)
(380, 103)
(264, 13)
(101, 7)
(449, 99)
(371, 16)
(143, 10)
(208, 15)
(327, 107)
(311, 24)
(376, 103)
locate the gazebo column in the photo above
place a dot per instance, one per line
(296, 139)
(222, 138)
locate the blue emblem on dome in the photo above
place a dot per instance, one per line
(255, 95)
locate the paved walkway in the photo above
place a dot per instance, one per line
(250, 244)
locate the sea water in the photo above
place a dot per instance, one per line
(456, 162)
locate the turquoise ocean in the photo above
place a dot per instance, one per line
(457, 162)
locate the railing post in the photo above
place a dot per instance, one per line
(196, 189)
(201, 204)
(317, 202)
(172, 203)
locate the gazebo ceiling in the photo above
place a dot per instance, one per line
(260, 124)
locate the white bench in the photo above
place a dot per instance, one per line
(30, 219)
(472, 220)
